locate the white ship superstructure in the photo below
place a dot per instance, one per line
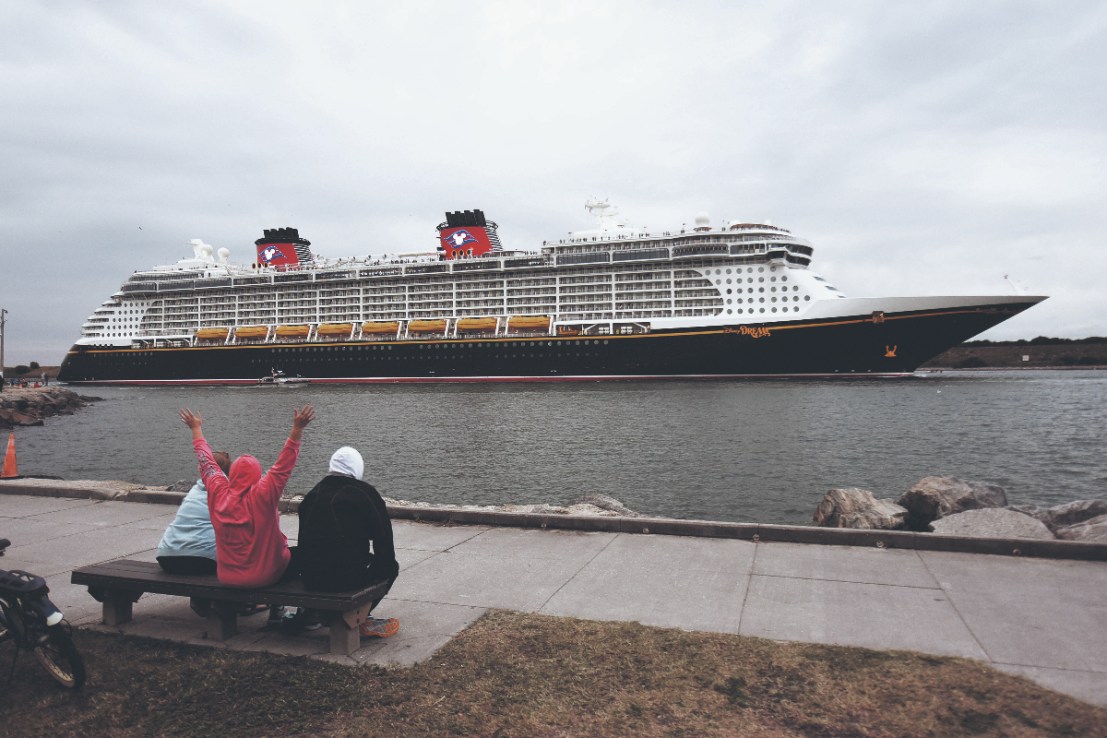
(615, 279)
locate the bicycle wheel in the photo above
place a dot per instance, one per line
(60, 658)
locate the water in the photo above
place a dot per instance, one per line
(760, 451)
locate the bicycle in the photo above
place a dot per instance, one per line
(34, 623)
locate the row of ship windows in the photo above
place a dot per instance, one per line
(432, 284)
(749, 280)
(739, 290)
(739, 311)
(795, 298)
(748, 270)
(641, 309)
(439, 346)
(347, 280)
(514, 300)
(660, 300)
(284, 301)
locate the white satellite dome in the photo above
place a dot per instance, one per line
(224, 255)
(703, 221)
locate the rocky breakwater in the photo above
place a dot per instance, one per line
(951, 506)
(31, 406)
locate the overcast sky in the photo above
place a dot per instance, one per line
(923, 147)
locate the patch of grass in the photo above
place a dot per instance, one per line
(512, 674)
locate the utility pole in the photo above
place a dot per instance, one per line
(3, 320)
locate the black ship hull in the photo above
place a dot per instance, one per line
(873, 344)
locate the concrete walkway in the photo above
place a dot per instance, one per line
(1042, 618)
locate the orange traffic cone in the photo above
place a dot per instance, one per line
(11, 471)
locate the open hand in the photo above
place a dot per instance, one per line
(303, 416)
(191, 419)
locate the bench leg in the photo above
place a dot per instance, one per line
(200, 606)
(222, 620)
(118, 604)
(117, 610)
(344, 639)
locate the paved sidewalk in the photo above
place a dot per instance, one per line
(1042, 618)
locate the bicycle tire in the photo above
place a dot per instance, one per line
(60, 658)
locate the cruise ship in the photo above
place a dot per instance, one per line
(707, 301)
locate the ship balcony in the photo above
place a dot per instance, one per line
(546, 294)
(635, 294)
(471, 298)
(427, 300)
(589, 290)
(585, 300)
(584, 282)
(635, 304)
(430, 299)
(481, 284)
(650, 283)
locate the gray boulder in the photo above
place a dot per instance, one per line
(181, 485)
(605, 502)
(1092, 531)
(936, 497)
(991, 523)
(1063, 516)
(1077, 511)
(852, 507)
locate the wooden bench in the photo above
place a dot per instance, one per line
(118, 585)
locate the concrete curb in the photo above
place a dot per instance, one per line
(755, 532)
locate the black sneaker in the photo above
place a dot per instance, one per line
(300, 620)
(276, 616)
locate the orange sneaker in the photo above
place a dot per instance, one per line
(380, 627)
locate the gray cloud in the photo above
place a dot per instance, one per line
(924, 148)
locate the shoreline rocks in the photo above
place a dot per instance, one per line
(955, 507)
(594, 505)
(852, 507)
(29, 407)
(992, 522)
(937, 497)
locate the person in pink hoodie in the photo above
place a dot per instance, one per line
(250, 549)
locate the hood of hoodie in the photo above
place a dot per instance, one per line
(230, 508)
(245, 472)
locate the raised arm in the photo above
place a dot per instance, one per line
(208, 468)
(278, 474)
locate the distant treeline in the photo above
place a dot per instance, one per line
(1037, 353)
(1041, 341)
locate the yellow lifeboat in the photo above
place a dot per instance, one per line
(568, 330)
(529, 323)
(377, 327)
(251, 331)
(474, 325)
(335, 329)
(212, 334)
(293, 331)
(426, 326)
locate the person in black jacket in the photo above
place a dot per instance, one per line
(345, 539)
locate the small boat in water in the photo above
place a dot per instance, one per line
(278, 377)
